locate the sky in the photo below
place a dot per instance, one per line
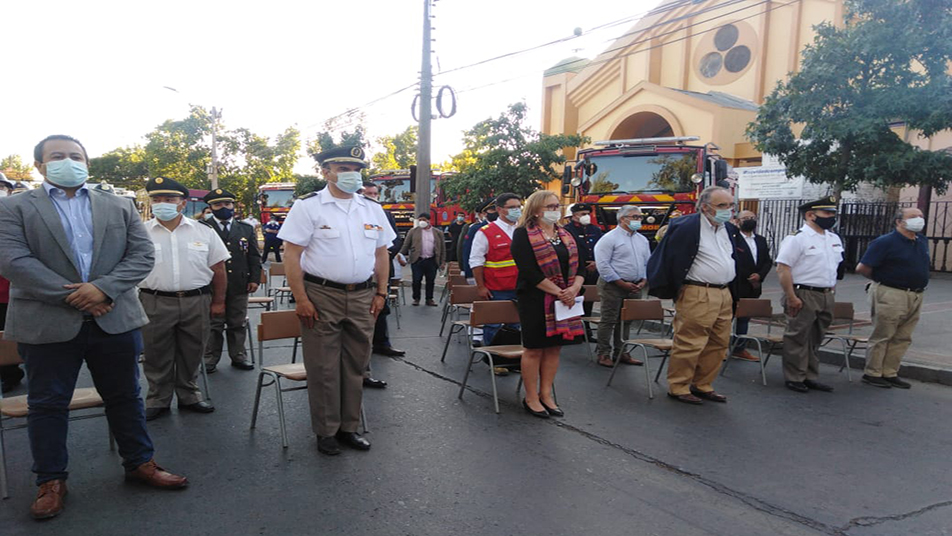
(98, 70)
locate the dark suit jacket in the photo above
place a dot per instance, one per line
(747, 265)
(244, 266)
(670, 262)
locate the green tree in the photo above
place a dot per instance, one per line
(15, 170)
(305, 184)
(125, 167)
(399, 151)
(505, 155)
(339, 132)
(675, 172)
(888, 64)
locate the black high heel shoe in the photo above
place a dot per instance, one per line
(555, 412)
(540, 414)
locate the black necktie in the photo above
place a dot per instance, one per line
(224, 226)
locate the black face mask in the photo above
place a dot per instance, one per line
(748, 226)
(224, 213)
(492, 216)
(825, 223)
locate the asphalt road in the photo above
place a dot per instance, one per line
(860, 461)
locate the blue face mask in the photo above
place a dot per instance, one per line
(349, 181)
(634, 225)
(513, 214)
(723, 215)
(165, 211)
(67, 173)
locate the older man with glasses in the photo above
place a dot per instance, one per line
(622, 258)
(694, 265)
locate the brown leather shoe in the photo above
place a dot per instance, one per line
(746, 356)
(49, 499)
(628, 360)
(687, 399)
(605, 361)
(713, 396)
(153, 475)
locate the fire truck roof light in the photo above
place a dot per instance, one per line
(643, 141)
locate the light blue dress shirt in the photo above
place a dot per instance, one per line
(76, 215)
(620, 255)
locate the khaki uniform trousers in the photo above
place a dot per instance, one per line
(895, 315)
(236, 311)
(174, 341)
(336, 354)
(804, 333)
(611, 331)
(702, 332)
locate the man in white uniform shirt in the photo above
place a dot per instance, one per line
(808, 265)
(694, 266)
(185, 288)
(337, 267)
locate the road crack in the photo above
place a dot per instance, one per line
(871, 521)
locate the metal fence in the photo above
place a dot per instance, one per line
(858, 224)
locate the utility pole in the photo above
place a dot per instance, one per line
(213, 167)
(423, 139)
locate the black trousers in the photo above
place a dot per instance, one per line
(424, 268)
(269, 247)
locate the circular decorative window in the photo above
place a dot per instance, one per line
(725, 54)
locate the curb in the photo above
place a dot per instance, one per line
(909, 371)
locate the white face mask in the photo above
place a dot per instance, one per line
(423, 224)
(585, 220)
(3, 193)
(349, 181)
(551, 216)
(915, 224)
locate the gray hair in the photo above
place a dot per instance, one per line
(901, 213)
(627, 210)
(705, 197)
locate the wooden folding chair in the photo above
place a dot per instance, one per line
(644, 310)
(16, 407)
(449, 308)
(492, 312)
(275, 325)
(460, 295)
(759, 309)
(591, 296)
(844, 311)
(283, 291)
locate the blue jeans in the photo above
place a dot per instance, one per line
(52, 369)
(489, 330)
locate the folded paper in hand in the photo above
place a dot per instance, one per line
(562, 311)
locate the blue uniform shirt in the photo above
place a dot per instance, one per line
(271, 237)
(76, 215)
(899, 262)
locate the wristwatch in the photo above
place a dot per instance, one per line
(384, 296)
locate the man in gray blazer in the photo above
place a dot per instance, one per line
(426, 248)
(73, 256)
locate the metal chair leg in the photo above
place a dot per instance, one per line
(615, 366)
(294, 350)
(251, 341)
(208, 395)
(449, 337)
(112, 439)
(846, 361)
(664, 360)
(644, 349)
(254, 410)
(462, 388)
(588, 343)
(284, 430)
(492, 374)
(4, 492)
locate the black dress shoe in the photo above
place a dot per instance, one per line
(896, 382)
(540, 414)
(799, 387)
(328, 445)
(713, 396)
(876, 382)
(209, 369)
(242, 365)
(353, 440)
(154, 413)
(817, 386)
(198, 407)
(389, 351)
(375, 384)
(555, 412)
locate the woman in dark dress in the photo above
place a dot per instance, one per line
(547, 258)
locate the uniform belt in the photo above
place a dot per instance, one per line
(180, 293)
(341, 286)
(708, 285)
(907, 289)
(814, 289)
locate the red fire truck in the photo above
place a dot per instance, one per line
(660, 175)
(275, 198)
(398, 194)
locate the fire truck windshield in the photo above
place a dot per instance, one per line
(666, 172)
(395, 191)
(277, 198)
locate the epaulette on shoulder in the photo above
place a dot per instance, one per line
(798, 232)
(307, 196)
